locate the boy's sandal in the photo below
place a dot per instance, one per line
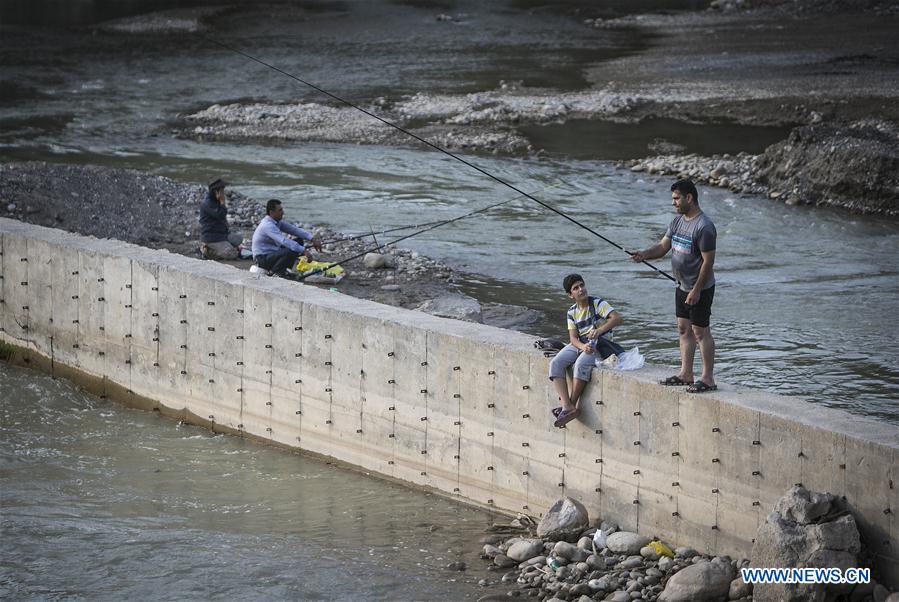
(701, 387)
(566, 416)
(675, 381)
(557, 411)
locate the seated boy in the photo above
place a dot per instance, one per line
(589, 320)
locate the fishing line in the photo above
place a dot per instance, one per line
(387, 231)
(439, 222)
(392, 242)
(435, 147)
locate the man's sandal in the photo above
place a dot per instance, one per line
(567, 416)
(675, 381)
(701, 387)
(557, 411)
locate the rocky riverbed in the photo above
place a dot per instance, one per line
(855, 167)
(564, 558)
(159, 213)
(749, 62)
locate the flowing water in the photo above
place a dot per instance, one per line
(102, 502)
(806, 302)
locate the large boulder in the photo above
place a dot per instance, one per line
(565, 520)
(455, 306)
(626, 542)
(805, 530)
(701, 581)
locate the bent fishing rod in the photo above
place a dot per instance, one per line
(402, 238)
(435, 147)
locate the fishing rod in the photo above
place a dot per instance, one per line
(387, 231)
(435, 147)
(558, 182)
(402, 238)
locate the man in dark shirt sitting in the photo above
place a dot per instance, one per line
(215, 240)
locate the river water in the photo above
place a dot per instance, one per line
(806, 302)
(102, 502)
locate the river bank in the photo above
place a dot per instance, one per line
(157, 212)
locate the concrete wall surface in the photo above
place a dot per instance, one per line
(462, 408)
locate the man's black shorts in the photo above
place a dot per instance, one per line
(699, 313)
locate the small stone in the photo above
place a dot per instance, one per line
(649, 553)
(619, 596)
(581, 589)
(490, 551)
(626, 542)
(374, 261)
(503, 561)
(585, 543)
(456, 566)
(684, 552)
(525, 549)
(703, 581)
(391, 287)
(631, 563)
(739, 589)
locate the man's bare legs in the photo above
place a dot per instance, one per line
(685, 331)
(707, 351)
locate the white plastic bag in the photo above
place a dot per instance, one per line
(629, 360)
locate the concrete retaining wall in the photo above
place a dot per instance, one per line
(458, 407)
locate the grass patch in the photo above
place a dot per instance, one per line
(6, 351)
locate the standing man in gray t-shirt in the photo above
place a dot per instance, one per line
(691, 237)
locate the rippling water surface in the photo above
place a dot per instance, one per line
(101, 502)
(806, 303)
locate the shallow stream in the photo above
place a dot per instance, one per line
(806, 303)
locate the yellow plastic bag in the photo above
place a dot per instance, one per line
(332, 275)
(661, 549)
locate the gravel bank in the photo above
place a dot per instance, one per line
(159, 213)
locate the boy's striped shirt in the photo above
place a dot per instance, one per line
(579, 318)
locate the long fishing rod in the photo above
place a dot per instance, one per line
(402, 238)
(387, 231)
(435, 147)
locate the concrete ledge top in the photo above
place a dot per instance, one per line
(795, 409)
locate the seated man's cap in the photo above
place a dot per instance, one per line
(216, 183)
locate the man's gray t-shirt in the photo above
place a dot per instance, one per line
(689, 238)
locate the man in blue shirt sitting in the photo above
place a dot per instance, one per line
(273, 250)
